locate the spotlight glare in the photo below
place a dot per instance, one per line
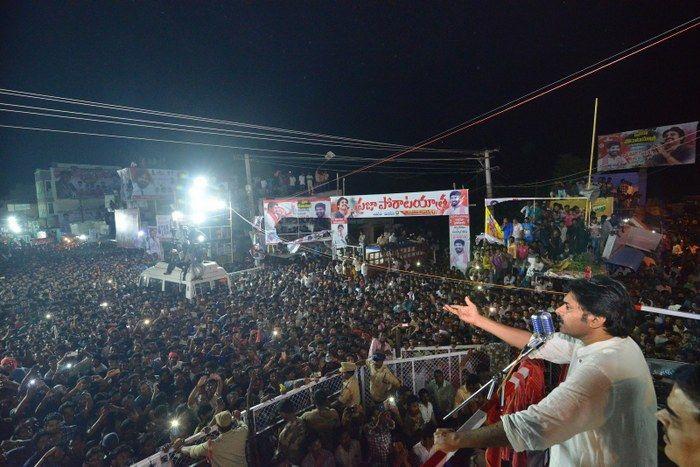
(198, 218)
(418, 263)
(200, 182)
(200, 238)
(141, 233)
(174, 423)
(69, 365)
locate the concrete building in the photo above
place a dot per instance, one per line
(73, 193)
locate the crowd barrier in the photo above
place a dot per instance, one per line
(413, 372)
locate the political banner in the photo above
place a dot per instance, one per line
(459, 242)
(339, 233)
(277, 211)
(600, 206)
(126, 223)
(148, 184)
(164, 226)
(425, 203)
(74, 182)
(649, 147)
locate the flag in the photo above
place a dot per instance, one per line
(492, 228)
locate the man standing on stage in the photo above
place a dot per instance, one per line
(603, 413)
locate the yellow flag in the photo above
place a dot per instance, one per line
(492, 227)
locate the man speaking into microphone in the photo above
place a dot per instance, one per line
(603, 413)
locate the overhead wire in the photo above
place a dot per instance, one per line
(65, 100)
(143, 123)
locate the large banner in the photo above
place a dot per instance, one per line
(164, 226)
(315, 210)
(84, 182)
(650, 147)
(126, 223)
(145, 184)
(459, 242)
(426, 203)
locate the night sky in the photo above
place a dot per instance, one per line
(386, 71)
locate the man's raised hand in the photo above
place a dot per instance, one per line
(468, 313)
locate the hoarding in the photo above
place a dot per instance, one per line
(649, 147)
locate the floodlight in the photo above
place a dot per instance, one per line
(200, 182)
(141, 233)
(201, 238)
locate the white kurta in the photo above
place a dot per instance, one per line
(603, 414)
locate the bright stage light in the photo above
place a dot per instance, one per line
(141, 233)
(178, 216)
(215, 204)
(201, 238)
(14, 225)
(174, 423)
(200, 182)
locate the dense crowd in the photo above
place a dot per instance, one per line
(95, 369)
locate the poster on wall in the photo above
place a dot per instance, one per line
(281, 219)
(459, 242)
(148, 184)
(127, 227)
(164, 226)
(84, 182)
(339, 233)
(649, 147)
(152, 242)
(426, 203)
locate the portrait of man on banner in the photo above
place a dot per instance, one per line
(459, 203)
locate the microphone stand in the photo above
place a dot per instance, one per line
(538, 342)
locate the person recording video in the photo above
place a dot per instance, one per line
(603, 413)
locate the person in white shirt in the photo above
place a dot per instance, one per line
(603, 414)
(426, 446)
(364, 269)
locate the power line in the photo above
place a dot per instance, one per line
(137, 122)
(65, 100)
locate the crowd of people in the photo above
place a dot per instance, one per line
(282, 183)
(98, 371)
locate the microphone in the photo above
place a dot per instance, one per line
(542, 328)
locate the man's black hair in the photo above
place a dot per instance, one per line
(606, 298)
(680, 132)
(287, 406)
(455, 192)
(459, 240)
(687, 378)
(319, 205)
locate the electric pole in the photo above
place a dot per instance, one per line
(249, 188)
(487, 171)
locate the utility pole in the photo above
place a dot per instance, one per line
(249, 188)
(487, 171)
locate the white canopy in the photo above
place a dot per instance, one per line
(207, 276)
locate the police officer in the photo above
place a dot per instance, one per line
(381, 380)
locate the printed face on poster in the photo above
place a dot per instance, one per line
(649, 147)
(317, 209)
(427, 203)
(459, 242)
(339, 233)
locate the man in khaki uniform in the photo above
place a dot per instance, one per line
(292, 437)
(381, 380)
(350, 390)
(227, 449)
(322, 421)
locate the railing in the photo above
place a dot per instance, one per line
(414, 373)
(433, 350)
